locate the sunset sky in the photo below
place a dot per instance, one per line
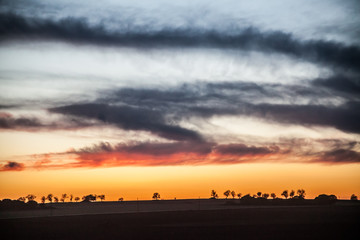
(127, 98)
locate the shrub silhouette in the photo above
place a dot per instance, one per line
(265, 195)
(233, 194)
(353, 197)
(30, 197)
(239, 195)
(101, 197)
(273, 195)
(301, 193)
(77, 199)
(56, 199)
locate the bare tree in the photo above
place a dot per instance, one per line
(227, 193)
(50, 197)
(77, 199)
(273, 195)
(301, 193)
(156, 196)
(239, 195)
(43, 199)
(292, 194)
(101, 197)
(259, 194)
(214, 195)
(285, 193)
(64, 197)
(30, 197)
(233, 194)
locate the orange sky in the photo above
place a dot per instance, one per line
(184, 181)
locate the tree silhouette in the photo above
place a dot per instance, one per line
(353, 197)
(50, 197)
(285, 193)
(156, 196)
(21, 199)
(265, 195)
(30, 197)
(89, 198)
(273, 195)
(259, 194)
(227, 193)
(214, 195)
(239, 195)
(56, 199)
(121, 199)
(292, 194)
(233, 194)
(77, 199)
(43, 199)
(63, 197)
(101, 197)
(71, 197)
(301, 193)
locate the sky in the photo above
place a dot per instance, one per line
(127, 98)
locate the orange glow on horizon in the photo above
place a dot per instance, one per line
(184, 181)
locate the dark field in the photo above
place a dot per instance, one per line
(266, 222)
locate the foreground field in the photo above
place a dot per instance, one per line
(231, 222)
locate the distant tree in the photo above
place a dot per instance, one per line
(301, 193)
(353, 197)
(77, 199)
(273, 195)
(265, 195)
(326, 198)
(233, 194)
(239, 195)
(56, 199)
(121, 199)
(259, 194)
(30, 197)
(156, 196)
(292, 194)
(285, 193)
(214, 195)
(71, 197)
(89, 198)
(43, 199)
(64, 197)
(101, 197)
(227, 193)
(49, 197)
(21, 199)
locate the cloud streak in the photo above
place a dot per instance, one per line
(79, 31)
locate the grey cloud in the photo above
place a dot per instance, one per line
(131, 118)
(80, 32)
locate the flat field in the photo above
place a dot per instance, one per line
(183, 219)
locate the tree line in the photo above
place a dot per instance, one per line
(299, 194)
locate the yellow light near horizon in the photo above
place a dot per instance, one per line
(184, 181)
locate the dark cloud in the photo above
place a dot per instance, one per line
(12, 166)
(340, 83)
(339, 156)
(131, 118)
(244, 150)
(8, 122)
(160, 111)
(79, 31)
